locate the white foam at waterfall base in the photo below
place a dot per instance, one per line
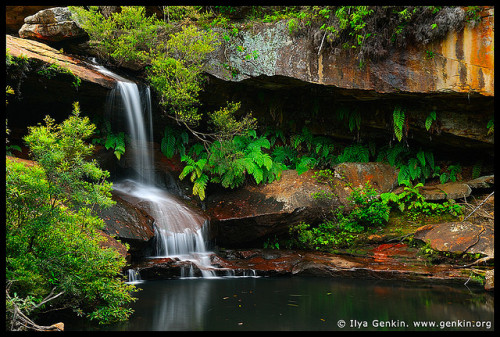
(180, 231)
(133, 276)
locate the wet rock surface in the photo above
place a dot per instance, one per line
(128, 223)
(248, 214)
(459, 237)
(384, 261)
(404, 70)
(37, 50)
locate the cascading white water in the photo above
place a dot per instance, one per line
(180, 232)
(126, 96)
(134, 276)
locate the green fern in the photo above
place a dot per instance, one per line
(491, 126)
(353, 118)
(305, 163)
(200, 185)
(421, 157)
(173, 141)
(399, 121)
(476, 169)
(117, 143)
(431, 118)
(355, 153)
(285, 155)
(430, 160)
(404, 174)
(454, 171)
(414, 169)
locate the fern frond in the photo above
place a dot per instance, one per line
(305, 163)
(403, 174)
(413, 168)
(187, 169)
(421, 157)
(200, 186)
(430, 159)
(430, 119)
(399, 120)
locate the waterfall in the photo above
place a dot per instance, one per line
(134, 276)
(179, 231)
(126, 97)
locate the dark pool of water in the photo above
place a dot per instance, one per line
(300, 303)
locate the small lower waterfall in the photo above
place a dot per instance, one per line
(134, 276)
(180, 232)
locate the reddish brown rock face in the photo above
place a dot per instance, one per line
(251, 213)
(458, 237)
(33, 49)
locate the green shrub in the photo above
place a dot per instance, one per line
(341, 230)
(413, 203)
(52, 239)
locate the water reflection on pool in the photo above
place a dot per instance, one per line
(300, 303)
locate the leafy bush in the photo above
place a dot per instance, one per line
(368, 210)
(413, 203)
(340, 230)
(52, 239)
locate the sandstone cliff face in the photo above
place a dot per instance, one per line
(291, 85)
(40, 51)
(461, 63)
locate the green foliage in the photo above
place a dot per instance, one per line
(52, 238)
(415, 166)
(491, 126)
(325, 237)
(352, 117)
(476, 169)
(63, 151)
(430, 119)
(399, 122)
(228, 162)
(368, 210)
(341, 229)
(174, 141)
(110, 140)
(317, 150)
(176, 72)
(356, 153)
(472, 14)
(412, 203)
(123, 37)
(271, 243)
(9, 148)
(51, 70)
(224, 121)
(174, 58)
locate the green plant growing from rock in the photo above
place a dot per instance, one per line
(412, 203)
(110, 140)
(52, 70)
(344, 224)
